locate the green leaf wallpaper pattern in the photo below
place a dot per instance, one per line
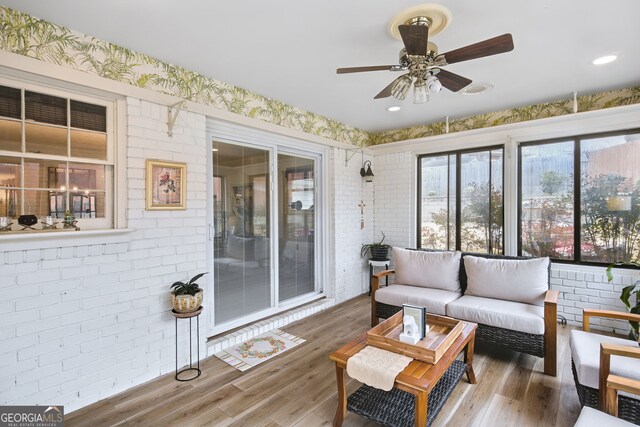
(26, 35)
(592, 102)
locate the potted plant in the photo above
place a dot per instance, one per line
(378, 251)
(625, 297)
(186, 297)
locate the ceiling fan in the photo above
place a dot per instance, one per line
(423, 65)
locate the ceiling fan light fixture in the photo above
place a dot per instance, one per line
(401, 87)
(433, 83)
(420, 60)
(420, 92)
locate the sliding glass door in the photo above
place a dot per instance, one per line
(264, 230)
(296, 223)
(242, 261)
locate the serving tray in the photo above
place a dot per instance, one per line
(442, 332)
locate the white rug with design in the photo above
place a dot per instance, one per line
(256, 350)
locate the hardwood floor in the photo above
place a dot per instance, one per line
(298, 388)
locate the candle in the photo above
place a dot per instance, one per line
(4, 221)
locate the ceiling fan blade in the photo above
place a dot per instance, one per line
(361, 69)
(452, 81)
(500, 44)
(415, 38)
(386, 92)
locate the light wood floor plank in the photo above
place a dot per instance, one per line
(501, 412)
(298, 387)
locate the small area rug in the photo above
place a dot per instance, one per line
(258, 349)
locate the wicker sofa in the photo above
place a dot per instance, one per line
(523, 327)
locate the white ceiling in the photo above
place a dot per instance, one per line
(289, 49)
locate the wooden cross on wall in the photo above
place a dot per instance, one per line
(361, 206)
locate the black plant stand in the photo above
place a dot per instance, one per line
(191, 367)
(377, 263)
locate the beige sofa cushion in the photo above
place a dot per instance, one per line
(523, 281)
(435, 300)
(439, 270)
(515, 316)
(585, 352)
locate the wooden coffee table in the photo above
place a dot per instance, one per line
(418, 378)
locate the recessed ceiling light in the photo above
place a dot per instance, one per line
(214, 149)
(476, 88)
(604, 59)
(393, 108)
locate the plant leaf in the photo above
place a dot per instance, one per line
(635, 325)
(363, 250)
(626, 293)
(196, 277)
(610, 271)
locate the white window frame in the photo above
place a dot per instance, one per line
(113, 218)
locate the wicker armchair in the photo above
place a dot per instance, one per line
(592, 368)
(590, 417)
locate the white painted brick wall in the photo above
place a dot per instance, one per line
(580, 286)
(348, 271)
(81, 323)
(84, 322)
(393, 198)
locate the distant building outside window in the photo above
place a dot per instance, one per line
(580, 198)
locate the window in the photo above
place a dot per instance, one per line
(580, 198)
(55, 156)
(461, 201)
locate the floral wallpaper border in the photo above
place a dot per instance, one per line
(26, 35)
(592, 102)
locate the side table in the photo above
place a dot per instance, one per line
(191, 367)
(374, 263)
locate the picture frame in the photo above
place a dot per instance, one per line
(165, 185)
(419, 314)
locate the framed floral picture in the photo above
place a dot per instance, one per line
(166, 185)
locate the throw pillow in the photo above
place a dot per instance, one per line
(523, 281)
(437, 270)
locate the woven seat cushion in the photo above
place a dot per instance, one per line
(515, 316)
(435, 300)
(590, 417)
(585, 351)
